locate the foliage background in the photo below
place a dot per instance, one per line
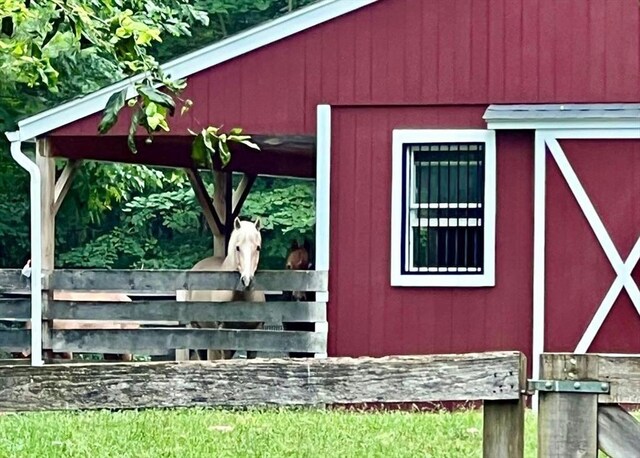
(121, 216)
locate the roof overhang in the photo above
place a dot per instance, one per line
(191, 63)
(283, 156)
(564, 116)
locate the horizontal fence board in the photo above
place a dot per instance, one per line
(12, 280)
(153, 341)
(15, 340)
(229, 383)
(172, 280)
(622, 371)
(15, 309)
(165, 310)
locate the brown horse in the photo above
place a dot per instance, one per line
(243, 256)
(299, 258)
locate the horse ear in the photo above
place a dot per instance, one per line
(294, 244)
(307, 245)
(258, 223)
(236, 223)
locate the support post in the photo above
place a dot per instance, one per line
(228, 211)
(503, 430)
(63, 185)
(47, 166)
(219, 186)
(241, 193)
(567, 421)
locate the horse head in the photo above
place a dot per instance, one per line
(244, 248)
(299, 259)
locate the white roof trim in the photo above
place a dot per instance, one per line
(194, 62)
(564, 116)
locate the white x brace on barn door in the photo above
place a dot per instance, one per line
(549, 139)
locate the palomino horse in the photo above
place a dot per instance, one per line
(243, 256)
(299, 258)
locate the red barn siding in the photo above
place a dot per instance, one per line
(578, 271)
(417, 52)
(436, 63)
(369, 317)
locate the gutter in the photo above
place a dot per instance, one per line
(36, 245)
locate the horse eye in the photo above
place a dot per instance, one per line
(237, 247)
(258, 248)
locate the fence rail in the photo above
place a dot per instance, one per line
(15, 305)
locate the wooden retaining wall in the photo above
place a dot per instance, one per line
(156, 340)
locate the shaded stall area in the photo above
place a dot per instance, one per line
(121, 313)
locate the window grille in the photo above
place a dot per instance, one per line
(443, 232)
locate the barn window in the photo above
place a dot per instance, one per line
(443, 221)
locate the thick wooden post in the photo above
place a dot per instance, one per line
(568, 421)
(503, 423)
(47, 166)
(219, 203)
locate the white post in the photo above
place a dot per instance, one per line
(323, 197)
(538, 256)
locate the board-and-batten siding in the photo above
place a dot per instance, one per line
(366, 315)
(421, 52)
(423, 63)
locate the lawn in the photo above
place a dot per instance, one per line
(265, 433)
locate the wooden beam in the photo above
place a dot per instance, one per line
(210, 213)
(567, 421)
(11, 280)
(618, 432)
(228, 211)
(47, 165)
(168, 281)
(154, 341)
(15, 309)
(167, 310)
(241, 193)
(219, 186)
(15, 340)
(63, 185)
(621, 371)
(503, 430)
(228, 383)
(567, 425)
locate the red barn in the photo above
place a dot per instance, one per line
(477, 163)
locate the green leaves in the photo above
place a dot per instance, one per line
(111, 111)
(210, 143)
(153, 95)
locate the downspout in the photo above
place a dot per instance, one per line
(36, 246)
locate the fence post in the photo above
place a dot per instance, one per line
(503, 423)
(567, 422)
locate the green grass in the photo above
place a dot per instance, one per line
(264, 433)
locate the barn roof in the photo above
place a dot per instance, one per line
(191, 63)
(281, 155)
(562, 115)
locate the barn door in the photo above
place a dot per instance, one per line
(587, 247)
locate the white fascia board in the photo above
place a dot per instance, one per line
(194, 62)
(557, 124)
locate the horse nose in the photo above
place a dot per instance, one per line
(246, 280)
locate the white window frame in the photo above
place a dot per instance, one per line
(424, 279)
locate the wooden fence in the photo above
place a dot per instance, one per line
(156, 340)
(580, 405)
(498, 379)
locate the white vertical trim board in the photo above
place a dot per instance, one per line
(539, 225)
(401, 137)
(323, 191)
